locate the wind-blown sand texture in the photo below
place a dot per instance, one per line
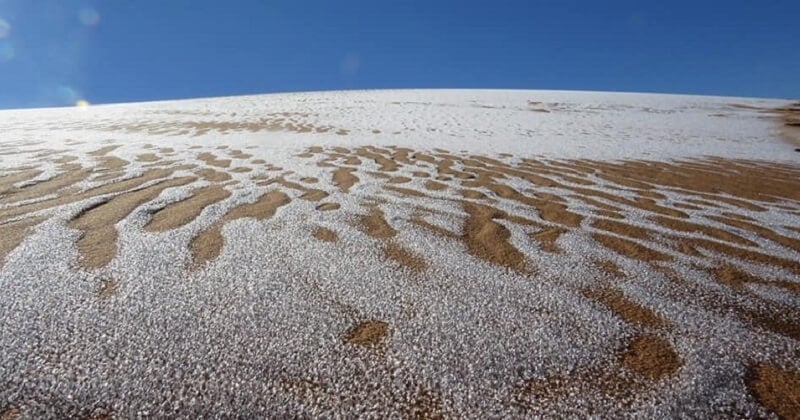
(424, 254)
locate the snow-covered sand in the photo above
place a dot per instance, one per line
(434, 253)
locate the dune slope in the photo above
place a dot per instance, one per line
(411, 253)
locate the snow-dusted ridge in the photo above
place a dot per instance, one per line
(578, 124)
(400, 253)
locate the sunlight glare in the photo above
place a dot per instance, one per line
(5, 28)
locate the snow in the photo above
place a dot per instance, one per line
(258, 331)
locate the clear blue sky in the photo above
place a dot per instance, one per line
(55, 52)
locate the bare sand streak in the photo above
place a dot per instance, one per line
(179, 214)
(97, 244)
(208, 244)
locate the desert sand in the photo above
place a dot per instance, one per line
(418, 254)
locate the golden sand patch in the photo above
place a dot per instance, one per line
(766, 182)
(211, 159)
(380, 175)
(488, 240)
(70, 195)
(738, 253)
(238, 154)
(111, 163)
(765, 232)
(399, 180)
(288, 184)
(97, 245)
(328, 206)
(207, 245)
(473, 194)
(344, 179)
(351, 160)
(309, 194)
(148, 157)
(716, 233)
(377, 155)
(182, 212)
(738, 216)
(374, 224)
(265, 207)
(325, 235)
(630, 249)
(779, 321)
(776, 389)
(730, 276)
(652, 357)
(623, 229)
(13, 233)
(368, 334)
(405, 192)
(314, 195)
(547, 238)
(625, 308)
(738, 279)
(405, 257)
(211, 175)
(596, 203)
(435, 186)
(69, 174)
(549, 209)
(7, 181)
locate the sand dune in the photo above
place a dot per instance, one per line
(437, 254)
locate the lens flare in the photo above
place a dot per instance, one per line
(89, 17)
(67, 94)
(5, 28)
(82, 103)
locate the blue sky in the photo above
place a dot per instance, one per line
(56, 52)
